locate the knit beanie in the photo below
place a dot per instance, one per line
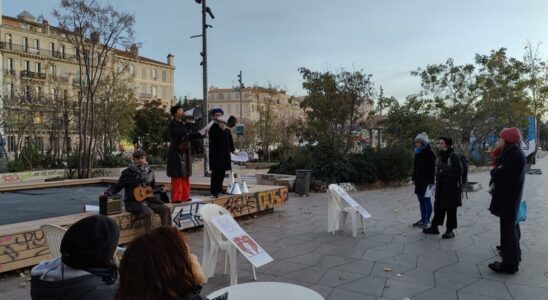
(511, 135)
(422, 138)
(90, 243)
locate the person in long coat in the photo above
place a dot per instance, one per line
(424, 171)
(508, 178)
(179, 158)
(220, 147)
(448, 195)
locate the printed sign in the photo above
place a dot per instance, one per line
(344, 195)
(243, 242)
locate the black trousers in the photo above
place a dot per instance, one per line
(510, 235)
(439, 217)
(145, 211)
(217, 178)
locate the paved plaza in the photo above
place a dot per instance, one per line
(391, 260)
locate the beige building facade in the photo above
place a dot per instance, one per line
(255, 99)
(38, 62)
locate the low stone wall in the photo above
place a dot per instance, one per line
(30, 176)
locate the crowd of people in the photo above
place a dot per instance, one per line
(444, 179)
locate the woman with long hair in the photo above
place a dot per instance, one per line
(159, 265)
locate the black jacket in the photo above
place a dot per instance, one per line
(129, 180)
(509, 178)
(424, 170)
(448, 180)
(179, 160)
(220, 146)
(88, 287)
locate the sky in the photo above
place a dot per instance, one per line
(270, 40)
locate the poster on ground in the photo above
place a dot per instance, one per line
(351, 202)
(247, 246)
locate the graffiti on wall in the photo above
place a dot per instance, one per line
(20, 177)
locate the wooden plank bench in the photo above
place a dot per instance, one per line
(24, 245)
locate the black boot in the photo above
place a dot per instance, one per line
(499, 267)
(449, 234)
(431, 230)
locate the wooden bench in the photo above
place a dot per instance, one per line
(24, 245)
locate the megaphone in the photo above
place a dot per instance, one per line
(229, 120)
(195, 114)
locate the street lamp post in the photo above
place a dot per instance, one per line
(240, 90)
(205, 110)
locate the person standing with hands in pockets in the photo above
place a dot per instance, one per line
(424, 171)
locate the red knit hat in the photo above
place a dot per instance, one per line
(510, 135)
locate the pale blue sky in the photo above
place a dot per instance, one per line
(270, 40)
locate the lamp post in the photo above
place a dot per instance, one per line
(205, 11)
(240, 133)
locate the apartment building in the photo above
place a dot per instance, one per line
(253, 100)
(37, 61)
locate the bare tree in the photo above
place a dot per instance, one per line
(94, 31)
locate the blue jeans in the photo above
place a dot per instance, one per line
(426, 208)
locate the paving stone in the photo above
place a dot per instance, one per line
(526, 292)
(437, 293)
(387, 270)
(370, 285)
(310, 274)
(341, 294)
(453, 281)
(335, 278)
(281, 267)
(360, 266)
(330, 261)
(397, 289)
(489, 288)
(323, 290)
(310, 259)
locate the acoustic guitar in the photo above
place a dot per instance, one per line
(141, 193)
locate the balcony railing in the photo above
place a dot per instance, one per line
(145, 96)
(31, 50)
(10, 73)
(33, 75)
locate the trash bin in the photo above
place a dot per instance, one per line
(302, 182)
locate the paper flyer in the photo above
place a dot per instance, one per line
(243, 242)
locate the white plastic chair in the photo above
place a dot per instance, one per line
(54, 234)
(214, 241)
(338, 210)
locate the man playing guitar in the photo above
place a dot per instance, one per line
(140, 197)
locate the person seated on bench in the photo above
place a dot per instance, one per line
(141, 194)
(159, 265)
(86, 269)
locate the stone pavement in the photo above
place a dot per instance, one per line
(391, 260)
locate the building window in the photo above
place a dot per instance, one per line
(132, 69)
(26, 65)
(220, 96)
(10, 65)
(38, 67)
(11, 143)
(53, 71)
(27, 92)
(52, 49)
(229, 108)
(164, 92)
(25, 44)
(154, 73)
(63, 51)
(37, 92)
(9, 41)
(153, 91)
(164, 76)
(11, 91)
(144, 73)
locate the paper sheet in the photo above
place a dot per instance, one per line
(239, 157)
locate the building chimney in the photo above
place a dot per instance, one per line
(45, 26)
(170, 60)
(134, 50)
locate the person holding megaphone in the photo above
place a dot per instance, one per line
(220, 147)
(179, 159)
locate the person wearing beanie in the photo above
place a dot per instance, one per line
(448, 194)
(140, 175)
(86, 268)
(179, 159)
(220, 147)
(424, 170)
(508, 179)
